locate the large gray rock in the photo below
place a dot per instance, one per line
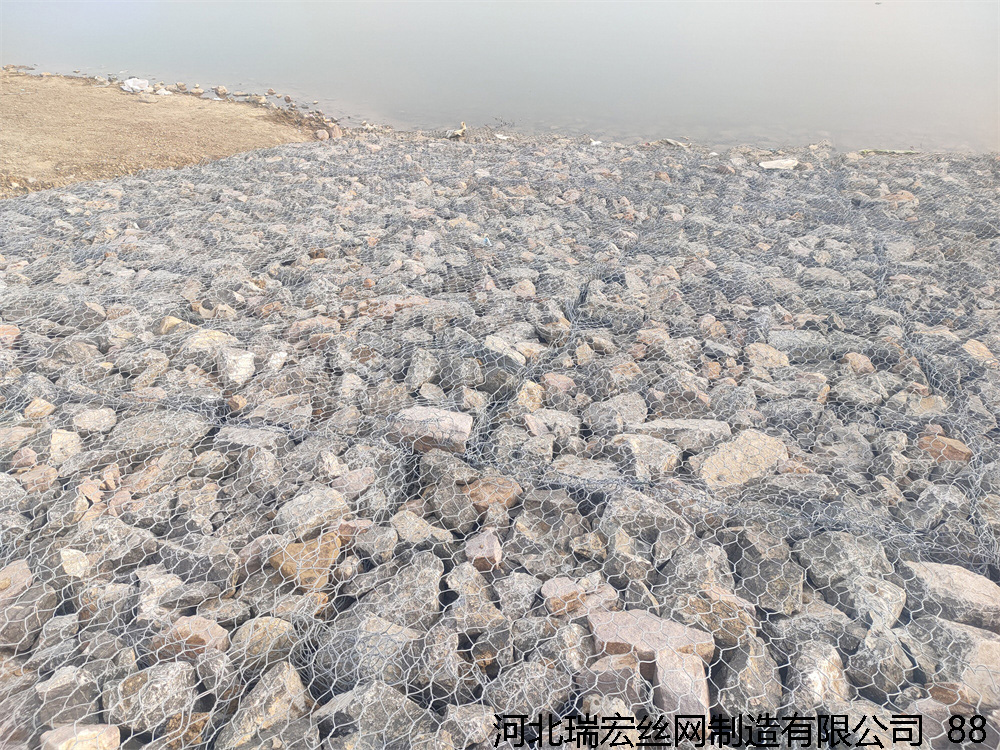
(278, 699)
(144, 434)
(358, 648)
(529, 688)
(410, 598)
(145, 700)
(966, 656)
(310, 512)
(68, 696)
(376, 713)
(426, 428)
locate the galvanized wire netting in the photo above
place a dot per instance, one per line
(365, 444)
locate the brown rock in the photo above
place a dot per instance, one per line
(308, 563)
(493, 491)
(943, 449)
(859, 364)
(8, 334)
(563, 595)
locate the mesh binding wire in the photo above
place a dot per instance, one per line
(362, 444)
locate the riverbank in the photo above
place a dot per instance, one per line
(58, 130)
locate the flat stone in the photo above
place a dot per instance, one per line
(690, 435)
(953, 593)
(425, 428)
(763, 355)
(782, 164)
(646, 635)
(95, 421)
(159, 430)
(78, 737)
(188, 638)
(751, 455)
(943, 449)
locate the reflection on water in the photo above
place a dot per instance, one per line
(863, 74)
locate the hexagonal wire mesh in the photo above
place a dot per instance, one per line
(360, 444)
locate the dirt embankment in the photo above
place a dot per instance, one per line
(55, 130)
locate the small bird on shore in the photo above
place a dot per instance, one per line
(455, 134)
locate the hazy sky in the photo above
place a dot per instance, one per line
(893, 74)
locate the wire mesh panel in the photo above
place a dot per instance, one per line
(397, 441)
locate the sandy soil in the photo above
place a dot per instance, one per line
(56, 130)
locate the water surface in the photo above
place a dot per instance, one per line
(863, 74)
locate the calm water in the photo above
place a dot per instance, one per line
(888, 74)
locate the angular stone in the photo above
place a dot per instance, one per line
(529, 687)
(815, 677)
(490, 491)
(425, 428)
(616, 675)
(748, 680)
(951, 592)
(646, 458)
(646, 635)
(261, 643)
(473, 611)
(563, 595)
(202, 559)
(690, 435)
(833, 557)
(307, 564)
(384, 717)
(188, 638)
(961, 658)
(517, 594)
(25, 606)
(762, 355)
(410, 598)
(157, 431)
(880, 668)
(484, 550)
(870, 600)
(146, 699)
(279, 698)
(943, 449)
(442, 668)
(68, 696)
(76, 737)
(616, 414)
(310, 512)
(750, 455)
(358, 648)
